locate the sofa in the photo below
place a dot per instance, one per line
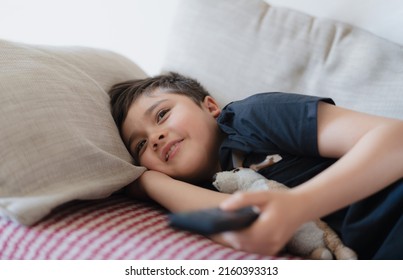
(64, 165)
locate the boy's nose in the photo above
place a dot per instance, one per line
(157, 140)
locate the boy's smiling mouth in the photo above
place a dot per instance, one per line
(171, 149)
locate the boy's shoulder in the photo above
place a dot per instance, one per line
(267, 100)
(277, 108)
(281, 97)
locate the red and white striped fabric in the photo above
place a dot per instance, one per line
(116, 228)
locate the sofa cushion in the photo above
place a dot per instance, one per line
(58, 140)
(240, 47)
(116, 228)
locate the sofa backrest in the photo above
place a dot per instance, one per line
(240, 47)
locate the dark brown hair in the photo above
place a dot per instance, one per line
(124, 94)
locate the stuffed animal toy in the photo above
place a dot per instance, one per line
(314, 239)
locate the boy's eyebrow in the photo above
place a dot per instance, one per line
(152, 107)
(146, 113)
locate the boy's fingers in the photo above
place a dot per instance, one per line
(243, 199)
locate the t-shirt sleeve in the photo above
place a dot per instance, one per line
(274, 122)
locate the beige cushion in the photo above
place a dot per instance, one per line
(240, 47)
(58, 141)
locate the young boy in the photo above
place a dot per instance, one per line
(339, 162)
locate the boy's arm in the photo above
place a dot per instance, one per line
(173, 194)
(370, 149)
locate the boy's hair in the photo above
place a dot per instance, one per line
(124, 94)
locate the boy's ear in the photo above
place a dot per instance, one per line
(212, 106)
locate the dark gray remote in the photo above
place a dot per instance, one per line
(214, 220)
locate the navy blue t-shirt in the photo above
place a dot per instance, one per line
(275, 123)
(286, 124)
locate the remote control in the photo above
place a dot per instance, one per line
(213, 220)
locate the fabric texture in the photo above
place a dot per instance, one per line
(116, 228)
(242, 47)
(58, 140)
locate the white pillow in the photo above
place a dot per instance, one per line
(380, 17)
(58, 140)
(241, 47)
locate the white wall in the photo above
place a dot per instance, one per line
(137, 29)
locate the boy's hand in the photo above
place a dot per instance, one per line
(280, 217)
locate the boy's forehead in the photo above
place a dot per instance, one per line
(153, 94)
(157, 94)
(145, 103)
(146, 97)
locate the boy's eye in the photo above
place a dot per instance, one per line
(139, 148)
(161, 114)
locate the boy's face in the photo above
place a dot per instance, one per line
(170, 133)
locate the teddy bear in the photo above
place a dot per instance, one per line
(313, 240)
